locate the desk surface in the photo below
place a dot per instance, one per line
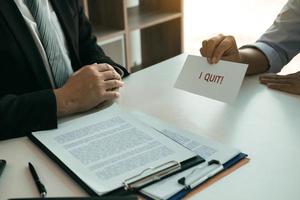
(263, 123)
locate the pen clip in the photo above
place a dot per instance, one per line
(182, 181)
(151, 174)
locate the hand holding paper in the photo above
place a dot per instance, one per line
(220, 81)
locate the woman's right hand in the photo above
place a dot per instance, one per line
(220, 47)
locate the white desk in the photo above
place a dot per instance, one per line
(262, 122)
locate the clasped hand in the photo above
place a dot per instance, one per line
(87, 88)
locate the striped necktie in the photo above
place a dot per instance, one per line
(49, 38)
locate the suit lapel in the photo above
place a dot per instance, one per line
(23, 36)
(64, 14)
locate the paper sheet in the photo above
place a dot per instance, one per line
(105, 148)
(220, 81)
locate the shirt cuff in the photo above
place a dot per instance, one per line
(272, 55)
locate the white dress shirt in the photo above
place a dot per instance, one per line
(36, 35)
(281, 42)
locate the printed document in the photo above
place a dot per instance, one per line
(105, 148)
(221, 81)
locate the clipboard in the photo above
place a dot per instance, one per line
(132, 184)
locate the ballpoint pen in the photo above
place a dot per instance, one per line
(2, 166)
(41, 188)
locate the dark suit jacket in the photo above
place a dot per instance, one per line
(27, 101)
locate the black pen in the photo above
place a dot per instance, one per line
(38, 183)
(2, 166)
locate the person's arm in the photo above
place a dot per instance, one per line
(225, 48)
(98, 80)
(280, 42)
(85, 89)
(21, 114)
(258, 62)
(275, 48)
(39, 110)
(90, 52)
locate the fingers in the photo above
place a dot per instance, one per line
(279, 81)
(209, 46)
(110, 75)
(220, 47)
(103, 67)
(203, 49)
(273, 78)
(113, 84)
(287, 83)
(108, 72)
(270, 76)
(110, 92)
(110, 95)
(281, 87)
(220, 50)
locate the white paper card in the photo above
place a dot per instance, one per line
(221, 81)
